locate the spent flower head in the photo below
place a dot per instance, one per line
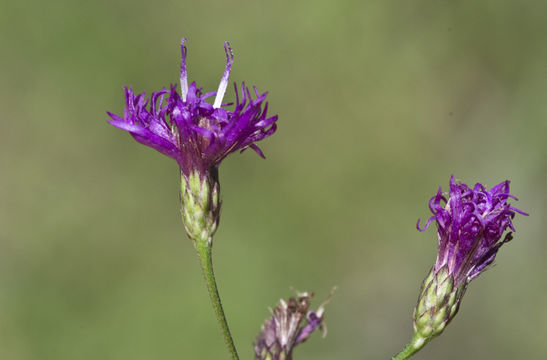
(291, 324)
(470, 225)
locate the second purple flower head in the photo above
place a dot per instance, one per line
(470, 223)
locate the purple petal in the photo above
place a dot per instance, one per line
(134, 128)
(257, 150)
(426, 224)
(313, 322)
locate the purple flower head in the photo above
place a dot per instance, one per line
(470, 224)
(187, 128)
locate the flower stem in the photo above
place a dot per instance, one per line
(204, 249)
(415, 345)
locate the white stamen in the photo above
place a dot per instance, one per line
(183, 74)
(224, 81)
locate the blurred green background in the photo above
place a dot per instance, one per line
(379, 102)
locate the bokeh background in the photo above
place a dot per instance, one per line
(379, 102)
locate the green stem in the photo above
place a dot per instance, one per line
(415, 345)
(204, 249)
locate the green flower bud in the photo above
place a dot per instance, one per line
(437, 305)
(200, 198)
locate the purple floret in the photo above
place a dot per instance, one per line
(187, 128)
(470, 224)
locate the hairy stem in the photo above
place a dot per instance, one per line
(415, 345)
(204, 249)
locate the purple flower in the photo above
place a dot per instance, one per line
(291, 324)
(187, 128)
(470, 224)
